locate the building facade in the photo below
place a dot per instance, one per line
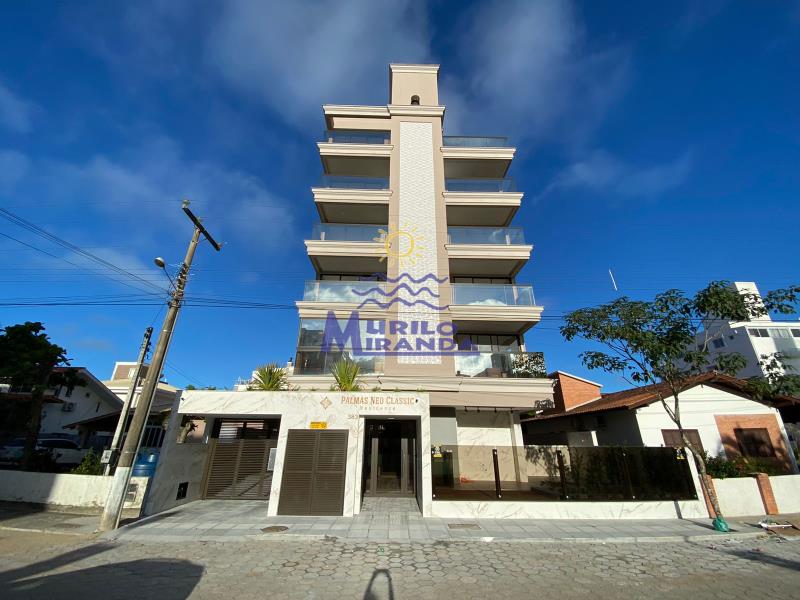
(415, 265)
(756, 339)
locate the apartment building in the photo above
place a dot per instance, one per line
(415, 262)
(755, 339)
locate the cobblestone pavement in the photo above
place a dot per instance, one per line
(89, 568)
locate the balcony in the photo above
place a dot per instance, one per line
(342, 291)
(489, 186)
(344, 136)
(482, 308)
(352, 199)
(355, 153)
(481, 201)
(501, 364)
(346, 248)
(353, 183)
(506, 236)
(474, 141)
(486, 251)
(340, 232)
(315, 362)
(492, 295)
(484, 157)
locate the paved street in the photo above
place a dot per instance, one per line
(46, 566)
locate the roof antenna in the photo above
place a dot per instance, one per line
(613, 281)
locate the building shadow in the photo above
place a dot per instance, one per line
(380, 586)
(33, 569)
(123, 579)
(763, 557)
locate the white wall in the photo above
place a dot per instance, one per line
(485, 428)
(297, 410)
(786, 489)
(88, 404)
(686, 509)
(698, 406)
(63, 489)
(739, 497)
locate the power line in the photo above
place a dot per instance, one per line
(8, 215)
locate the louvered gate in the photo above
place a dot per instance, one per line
(238, 460)
(314, 470)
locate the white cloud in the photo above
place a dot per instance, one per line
(295, 56)
(528, 70)
(150, 181)
(16, 113)
(604, 173)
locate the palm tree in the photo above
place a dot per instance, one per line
(346, 373)
(269, 378)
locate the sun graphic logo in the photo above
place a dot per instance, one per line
(405, 245)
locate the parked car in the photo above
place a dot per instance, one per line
(65, 452)
(11, 452)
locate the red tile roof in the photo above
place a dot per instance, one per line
(642, 396)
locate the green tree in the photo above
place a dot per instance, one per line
(347, 375)
(656, 342)
(269, 378)
(27, 362)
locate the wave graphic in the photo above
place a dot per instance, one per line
(402, 286)
(382, 277)
(385, 305)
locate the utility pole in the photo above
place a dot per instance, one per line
(126, 406)
(122, 475)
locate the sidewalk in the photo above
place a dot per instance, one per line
(218, 520)
(17, 516)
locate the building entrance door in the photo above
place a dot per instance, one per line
(390, 457)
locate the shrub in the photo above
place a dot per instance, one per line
(722, 468)
(90, 465)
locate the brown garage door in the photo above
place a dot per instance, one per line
(238, 460)
(314, 471)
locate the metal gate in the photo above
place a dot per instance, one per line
(238, 464)
(314, 470)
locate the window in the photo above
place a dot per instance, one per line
(796, 333)
(415, 100)
(754, 443)
(672, 437)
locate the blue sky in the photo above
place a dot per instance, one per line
(659, 140)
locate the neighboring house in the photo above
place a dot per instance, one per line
(98, 429)
(88, 401)
(716, 412)
(754, 339)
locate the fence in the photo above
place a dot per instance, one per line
(560, 473)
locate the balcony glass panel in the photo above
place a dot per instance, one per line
(501, 364)
(347, 233)
(314, 362)
(475, 141)
(560, 473)
(493, 295)
(342, 291)
(342, 136)
(480, 185)
(342, 182)
(505, 236)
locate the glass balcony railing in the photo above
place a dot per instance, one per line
(480, 185)
(338, 232)
(315, 362)
(501, 364)
(493, 295)
(559, 473)
(342, 291)
(341, 182)
(504, 236)
(475, 141)
(343, 136)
